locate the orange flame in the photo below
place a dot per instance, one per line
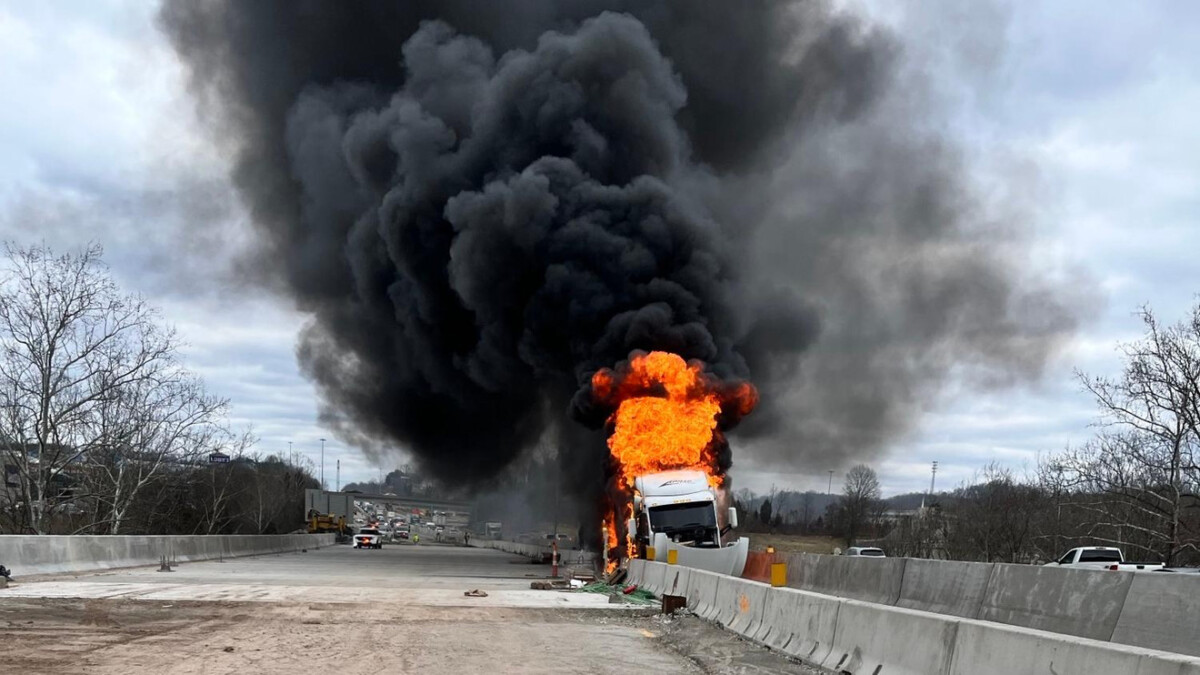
(667, 416)
(608, 534)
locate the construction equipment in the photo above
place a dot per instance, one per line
(319, 523)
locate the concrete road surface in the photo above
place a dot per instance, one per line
(345, 611)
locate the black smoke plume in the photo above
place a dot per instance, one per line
(479, 204)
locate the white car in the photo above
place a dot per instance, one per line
(866, 552)
(368, 538)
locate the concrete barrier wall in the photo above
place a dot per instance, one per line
(875, 580)
(740, 604)
(1161, 611)
(872, 638)
(799, 623)
(676, 579)
(536, 551)
(1153, 610)
(982, 648)
(861, 638)
(1085, 603)
(702, 592)
(652, 578)
(32, 555)
(637, 571)
(945, 587)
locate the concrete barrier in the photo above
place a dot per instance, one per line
(1149, 610)
(944, 586)
(862, 638)
(702, 592)
(538, 552)
(1161, 611)
(652, 577)
(982, 648)
(32, 555)
(875, 580)
(740, 604)
(799, 623)
(872, 638)
(637, 571)
(675, 580)
(1084, 603)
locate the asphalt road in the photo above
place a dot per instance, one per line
(396, 610)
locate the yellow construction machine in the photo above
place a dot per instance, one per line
(326, 522)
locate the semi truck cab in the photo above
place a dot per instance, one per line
(680, 505)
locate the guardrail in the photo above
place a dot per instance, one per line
(33, 555)
(853, 636)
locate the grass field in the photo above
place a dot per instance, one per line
(793, 543)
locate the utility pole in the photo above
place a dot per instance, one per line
(932, 478)
(829, 490)
(322, 463)
(337, 481)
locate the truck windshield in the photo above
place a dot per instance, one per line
(675, 517)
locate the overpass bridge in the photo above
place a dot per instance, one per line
(457, 513)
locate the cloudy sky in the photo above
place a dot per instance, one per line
(1087, 109)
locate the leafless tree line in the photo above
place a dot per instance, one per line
(102, 429)
(1135, 485)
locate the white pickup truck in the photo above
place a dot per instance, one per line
(1102, 558)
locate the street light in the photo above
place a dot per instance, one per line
(322, 463)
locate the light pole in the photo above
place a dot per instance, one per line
(337, 479)
(322, 463)
(932, 478)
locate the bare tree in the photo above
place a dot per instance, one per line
(168, 419)
(1120, 489)
(219, 489)
(860, 499)
(1145, 464)
(70, 342)
(271, 488)
(994, 519)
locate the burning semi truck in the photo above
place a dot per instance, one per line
(681, 511)
(668, 457)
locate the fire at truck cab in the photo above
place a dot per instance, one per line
(679, 510)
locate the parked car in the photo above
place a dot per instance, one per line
(368, 538)
(866, 552)
(1103, 558)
